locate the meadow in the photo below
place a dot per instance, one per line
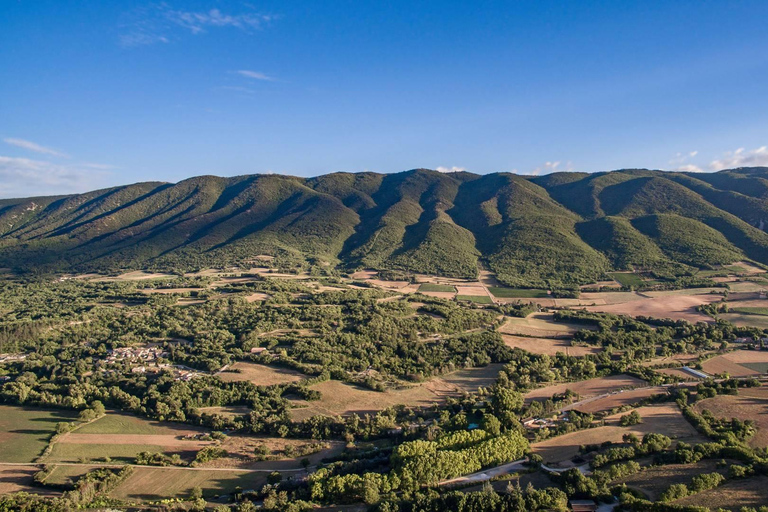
(25, 432)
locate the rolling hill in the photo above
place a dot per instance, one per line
(558, 230)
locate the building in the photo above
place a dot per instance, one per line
(583, 506)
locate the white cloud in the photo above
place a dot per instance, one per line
(450, 169)
(160, 23)
(23, 177)
(680, 162)
(255, 75)
(31, 146)
(550, 167)
(689, 168)
(741, 158)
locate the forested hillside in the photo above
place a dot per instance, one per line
(558, 230)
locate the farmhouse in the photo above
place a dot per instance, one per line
(583, 506)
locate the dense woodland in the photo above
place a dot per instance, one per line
(556, 231)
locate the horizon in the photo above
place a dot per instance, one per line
(97, 95)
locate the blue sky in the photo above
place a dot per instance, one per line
(95, 94)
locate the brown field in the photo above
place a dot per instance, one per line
(749, 268)
(745, 320)
(547, 346)
(472, 289)
(587, 388)
(539, 325)
(733, 495)
(677, 372)
(675, 358)
(168, 291)
(617, 400)
(260, 374)
(20, 479)
(158, 483)
(608, 298)
(662, 418)
(139, 275)
(340, 398)
(654, 480)
(663, 305)
(732, 362)
(439, 295)
(750, 404)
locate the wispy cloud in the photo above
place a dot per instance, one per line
(23, 177)
(741, 158)
(161, 23)
(32, 146)
(681, 162)
(450, 169)
(550, 167)
(255, 75)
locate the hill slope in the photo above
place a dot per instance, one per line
(558, 230)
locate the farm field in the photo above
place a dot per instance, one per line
(122, 424)
(627, 278)
(751, 310)
(745, 320)
(479, 299)
(739, 363)
(20, 479)
(654, 480)
(517, 293)
(750, 403)
(240, 453)
(158, 483)
(25, 432)
(587, 388)
(340, 398)
(260, 374)
(662, 305)
(429, 287)
(665, 418)
(733, 495)
(549, 346)
(539, 325)
(617, 400)
(677, 372)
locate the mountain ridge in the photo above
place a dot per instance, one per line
(557, 231)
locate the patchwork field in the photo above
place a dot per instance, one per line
(587, 388)
(517, 293)
(261, 375)
(429, 287)
(750, 404)
(159, 483)
(539, 325)
(549, 346)
(25, 432)
(665, 418)
(733, 495)
(739, 363)
(340, 398)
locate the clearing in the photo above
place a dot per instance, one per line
(541, 325)
(160, 483)
(654, 480)
(587, 388)
(549, 346)
(340, 398)
(732, 495)
(260, 374)
(749, 404)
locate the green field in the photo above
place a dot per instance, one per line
(116, 423)
(25, 432)
(758, 367)
(66, 475)
(158, 483)
(429, 287)
(73, 452)
(627, 279)
(752, 311)
(517, 293)
(480, 299)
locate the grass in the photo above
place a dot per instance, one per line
(73, 452)
(627, 279)
(25, 432)
(758, 367)
(479, 299)
(159, 483)
(515, 293)
(115, 423)
(429, 287)
(752, 311)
